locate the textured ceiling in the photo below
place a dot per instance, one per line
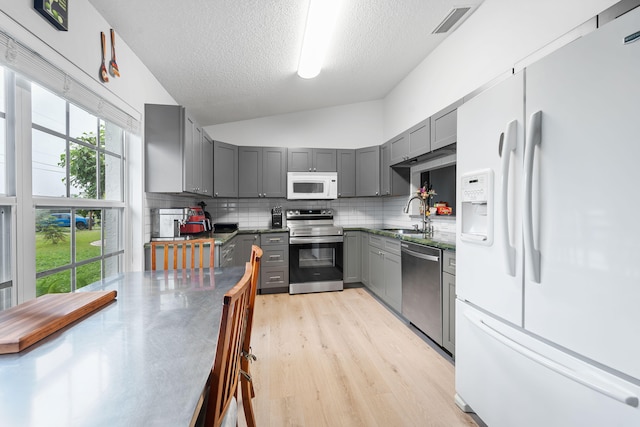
(230, 60)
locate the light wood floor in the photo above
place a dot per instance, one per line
(342, 359)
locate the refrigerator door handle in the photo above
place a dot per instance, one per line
(594, 383)
(509, 146)
(533, 139)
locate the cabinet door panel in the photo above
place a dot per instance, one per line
(444, 127)
(346, 162)
(274, 176)
(368, 171)
(399, 149)
(225, 170)
(249, 171)
(300, 160)
(420, 139)
(324, 160)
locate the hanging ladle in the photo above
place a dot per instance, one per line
(103, 69)
(113, 67)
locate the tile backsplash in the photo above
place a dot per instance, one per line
(256, 213)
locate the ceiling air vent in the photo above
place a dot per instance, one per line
(452, 18)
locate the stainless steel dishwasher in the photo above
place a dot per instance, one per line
(422, 288)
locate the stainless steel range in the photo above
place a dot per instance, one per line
(315, 251)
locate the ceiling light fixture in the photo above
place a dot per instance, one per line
(321, 19)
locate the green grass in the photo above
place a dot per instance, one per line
(49, 256)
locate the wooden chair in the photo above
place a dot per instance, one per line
(180, 251)
(223, 381)
(246, 386)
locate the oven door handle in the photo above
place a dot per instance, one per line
(315, 239)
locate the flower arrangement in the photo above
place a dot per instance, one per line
(426, 194)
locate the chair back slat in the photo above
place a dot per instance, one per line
(226, 367)
(179, 250)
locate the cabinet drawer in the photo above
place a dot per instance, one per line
(275, 256)
(271, 239)
(385, 243)
(449, 262)
(274, 277)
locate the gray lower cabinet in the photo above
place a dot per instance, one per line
(352, 257)
(368, 171)
(225, 254)
(364, 258)
(225, 170)
(311, 160)
(242, 250)
(262, 172)
(346, 172)
(274, 266)
(444, 126)
(449, 301)
(385, 274)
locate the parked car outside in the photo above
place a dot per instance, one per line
(64, 220)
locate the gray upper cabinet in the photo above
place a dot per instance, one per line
(346, 173)
(262, 172)
(368, 171)
(419, 139)
(385, 168)
(312, 160)
(410, 144)
(225, 170)
(173, 151)
(444, 125)
(393, 181)
(398, 149)
(207, 164)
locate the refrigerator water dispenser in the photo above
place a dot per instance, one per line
(477, 207)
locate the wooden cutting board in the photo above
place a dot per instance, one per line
(29, 322)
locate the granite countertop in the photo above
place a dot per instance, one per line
(438, 239)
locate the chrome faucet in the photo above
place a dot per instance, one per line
(426, 221)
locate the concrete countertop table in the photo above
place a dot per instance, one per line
(142, 360)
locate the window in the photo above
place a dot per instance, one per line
(62, 177)
(77, 156)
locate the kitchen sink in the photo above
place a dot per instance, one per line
(402, 230)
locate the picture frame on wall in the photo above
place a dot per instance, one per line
(55, 11)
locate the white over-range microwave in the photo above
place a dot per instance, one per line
(312, 185)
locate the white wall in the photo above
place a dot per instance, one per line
(346, 126)
(77, 53)
(489, 43)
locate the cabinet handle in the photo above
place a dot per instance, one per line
(275, 240)
(274, 256)
(275, 278)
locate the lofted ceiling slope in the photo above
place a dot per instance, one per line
(231, 60)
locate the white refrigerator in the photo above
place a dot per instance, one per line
(548, 245)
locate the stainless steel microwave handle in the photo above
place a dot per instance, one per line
(316, 239)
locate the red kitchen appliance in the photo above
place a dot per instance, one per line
(197, 221)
